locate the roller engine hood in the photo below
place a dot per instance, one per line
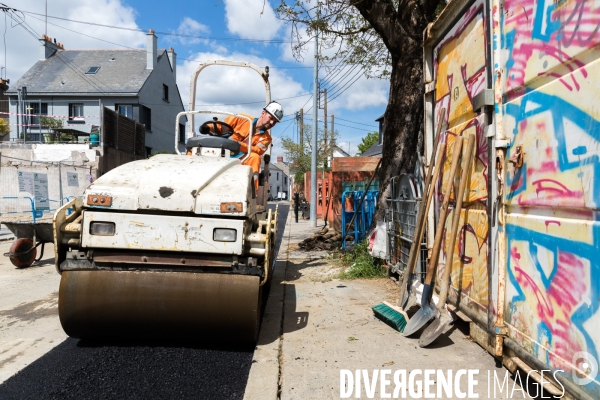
(175, 183)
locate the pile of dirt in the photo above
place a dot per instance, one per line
(321, 240)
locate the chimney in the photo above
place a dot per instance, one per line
(47, 48)
(173, 60)
(151, 50)
(279, 159)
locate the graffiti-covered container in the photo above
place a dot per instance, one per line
(523, 77)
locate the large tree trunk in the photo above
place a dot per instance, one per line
(403, 120)
(401, 30)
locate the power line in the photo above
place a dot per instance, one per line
(333, 94)
(134, 48)
(287, 127)
(333, 74)
(354, 122)
(339, 91)
(68, 63)
(250, 102)
(86, 78)
(348, 84)
(161, 33)
(352, 127)
(358, 76)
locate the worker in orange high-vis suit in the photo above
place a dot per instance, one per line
(261, 137)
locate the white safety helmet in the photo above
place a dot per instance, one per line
(275, 109)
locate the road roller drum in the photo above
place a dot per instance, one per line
(146, 304)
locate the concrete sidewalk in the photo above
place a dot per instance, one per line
(315, 326)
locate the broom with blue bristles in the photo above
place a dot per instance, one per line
(394, 316)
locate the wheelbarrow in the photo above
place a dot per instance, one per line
(29, 236)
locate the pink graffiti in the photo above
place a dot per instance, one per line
(573, 25)
(551, 221)
(474, 84)
(558, 300)
(546, 167)
(551, 190)
(561, 190)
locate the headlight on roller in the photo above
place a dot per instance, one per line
(224, 235)
(102, 228)
(232, 207)
(99, 200)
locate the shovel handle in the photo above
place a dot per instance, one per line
(432, 174)
(437, 244)
(466, 167)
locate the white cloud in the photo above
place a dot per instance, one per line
(361, 94)
(191, 27)
(22, 49)
(252, 19)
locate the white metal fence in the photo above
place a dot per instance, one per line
(44, 121)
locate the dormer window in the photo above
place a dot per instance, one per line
(92, 70)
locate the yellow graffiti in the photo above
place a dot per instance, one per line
(466, 50)
(469, 262)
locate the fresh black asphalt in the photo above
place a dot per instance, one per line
(78, 369)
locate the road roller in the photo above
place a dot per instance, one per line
(176, 245)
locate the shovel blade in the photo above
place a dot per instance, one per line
(419, 320)
(435, 329)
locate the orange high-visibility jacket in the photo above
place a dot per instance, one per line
(241, 127)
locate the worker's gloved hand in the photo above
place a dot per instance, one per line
(204, 129)
(267, 158)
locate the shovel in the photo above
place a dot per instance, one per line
(427, 311)
(442, 318)
(406, 296)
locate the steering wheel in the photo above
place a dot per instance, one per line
(216, 125)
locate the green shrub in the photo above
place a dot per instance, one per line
(358, 263)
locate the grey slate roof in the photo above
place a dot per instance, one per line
(374, 151)
(64, 73)
(282, 167)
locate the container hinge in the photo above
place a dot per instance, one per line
(429, 87)
(483, 99)
(502, 144)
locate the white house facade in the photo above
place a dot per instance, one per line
(74, 85)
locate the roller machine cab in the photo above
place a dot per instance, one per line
(172, 246)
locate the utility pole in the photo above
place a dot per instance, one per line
(302, 130)
(332, 139)
(325, 147)
(313, 163)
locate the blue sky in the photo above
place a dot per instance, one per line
(241, 30)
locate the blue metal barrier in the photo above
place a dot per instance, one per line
(34, 213)
(351, 200)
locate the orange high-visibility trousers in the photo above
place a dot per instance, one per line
(254, 162)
